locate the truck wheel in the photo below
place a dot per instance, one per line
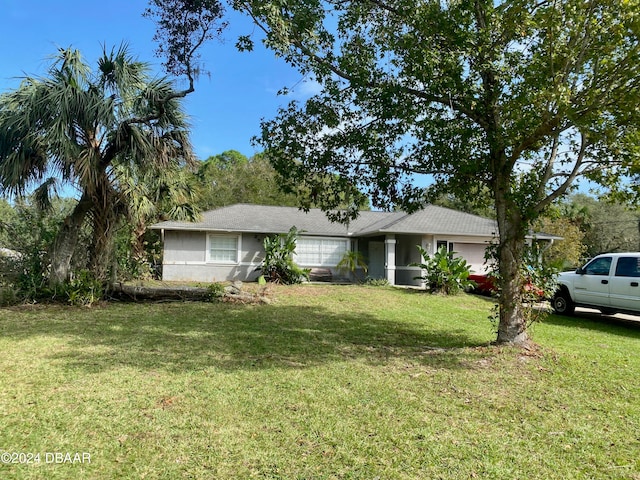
(562, 303)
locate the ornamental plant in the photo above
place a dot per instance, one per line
(444, 273)
(278, 265)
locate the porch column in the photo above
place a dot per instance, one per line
(426, 245)
(390, 258)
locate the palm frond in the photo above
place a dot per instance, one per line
(42, 195)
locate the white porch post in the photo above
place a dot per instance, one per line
(426, 245)
(390, 258)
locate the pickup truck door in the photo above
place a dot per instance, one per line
(625, 284)
(592, 286)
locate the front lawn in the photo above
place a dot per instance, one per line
(327, 382)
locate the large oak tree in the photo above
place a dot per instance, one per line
(518, 97)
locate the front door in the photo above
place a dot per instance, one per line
(376, 260)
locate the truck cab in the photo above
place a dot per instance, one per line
(609, 282)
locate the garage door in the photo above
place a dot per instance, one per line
(473, 253)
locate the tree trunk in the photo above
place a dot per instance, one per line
(512, 327)
(105, 219)
(66, 241)
(103, 249)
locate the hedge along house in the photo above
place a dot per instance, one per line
(227, 244)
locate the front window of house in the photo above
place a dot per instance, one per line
(223, 248)
(320, 252)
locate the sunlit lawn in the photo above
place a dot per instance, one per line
(327, 382)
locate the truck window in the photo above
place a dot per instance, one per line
(599, 266)
(628, 267)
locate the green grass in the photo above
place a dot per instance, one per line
(327, 382)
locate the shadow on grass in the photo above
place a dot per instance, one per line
(195, 336)
(593, 320)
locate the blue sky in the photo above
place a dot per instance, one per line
(227, 105)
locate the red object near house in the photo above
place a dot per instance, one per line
(484, 284)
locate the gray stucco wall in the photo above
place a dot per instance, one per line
(181, 247)
(185, 259)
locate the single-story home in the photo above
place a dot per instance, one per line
(227, 243)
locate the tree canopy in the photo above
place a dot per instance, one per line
(230, 177)
(520, 97)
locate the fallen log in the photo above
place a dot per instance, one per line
(231, 293)
(178, 292)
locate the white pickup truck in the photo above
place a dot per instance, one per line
(609, 283)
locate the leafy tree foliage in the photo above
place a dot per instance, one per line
(570, 251)
(475, 201)
(86, 127)
(230, 178)
(7, 216)
(31, 233)
(90, 129)
(608, 226)
(518, 98)
(154, 195)
(182, 27)
(351, 262)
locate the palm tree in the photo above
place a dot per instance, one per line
(89, 129)
(351, 261)
(153, 196)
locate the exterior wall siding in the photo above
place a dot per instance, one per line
(185, 257)
(184, 247)
(208, 273)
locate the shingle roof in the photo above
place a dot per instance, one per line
(441, 221)
(272, 219)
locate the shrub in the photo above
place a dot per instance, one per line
(8, 296)
(23, 277)
(83, 290)
(216, 291)
(377, 282)
(445, 273)
(278, 265)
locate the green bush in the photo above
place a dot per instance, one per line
(8, 296)
(445, 273)
(83, 289)
(278, 265)
(376, 282)
(23, 278)
(216, 291)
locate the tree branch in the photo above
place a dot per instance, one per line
(575, 172)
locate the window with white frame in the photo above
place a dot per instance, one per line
(223, 248)
(444, 243)
(320, 252)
